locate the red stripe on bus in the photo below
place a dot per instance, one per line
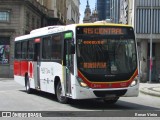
(101, 85)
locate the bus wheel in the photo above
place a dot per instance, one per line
(28, 89)
(111, 101)
(61, 99)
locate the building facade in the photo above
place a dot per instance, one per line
(103, 9)
(90, 16)
(57, 9)
(124, 9)
(73, 11)
(19, 17)
(87, 14)
(115, 11)
(144, 15)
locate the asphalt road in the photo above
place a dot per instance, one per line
(14, 98)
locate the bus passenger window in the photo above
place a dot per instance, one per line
(18, 50)
(46, 48)
(56, 47)
(31, 49)
(24, 50)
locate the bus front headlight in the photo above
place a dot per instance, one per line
(82, 83)
(135, 81)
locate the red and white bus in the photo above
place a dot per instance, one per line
(79, 61)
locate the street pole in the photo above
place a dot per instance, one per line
(151, 61)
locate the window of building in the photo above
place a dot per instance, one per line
(27, 19)
(4, 50)
(38, 23)
(33, 22)
(4, 16)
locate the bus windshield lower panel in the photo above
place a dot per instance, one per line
(106, 60)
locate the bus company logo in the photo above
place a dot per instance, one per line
(96, 85)
(6, 114)
(124, 84)
(109, 85)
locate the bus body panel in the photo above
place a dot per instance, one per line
(132, 91)
(17, 68)
(48, 72)
(21, 81)
(20, 67)
(32, 83)
(24, 67)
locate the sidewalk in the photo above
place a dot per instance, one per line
(152, 89)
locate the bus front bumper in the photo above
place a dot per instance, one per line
(88, 93)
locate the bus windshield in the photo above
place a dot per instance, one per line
(106, 57)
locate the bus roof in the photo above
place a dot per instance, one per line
(103, 23)
(56, 29)
(41, 32)
(45, 29)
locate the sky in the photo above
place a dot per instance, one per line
(83, 7)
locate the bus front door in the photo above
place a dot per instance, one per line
(37, 65)
(69, 66)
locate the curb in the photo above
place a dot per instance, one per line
(1, 79)
(157, 89)
(151, 91)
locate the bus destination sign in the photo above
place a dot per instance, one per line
(102, 30)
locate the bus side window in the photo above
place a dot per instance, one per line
(46, 48)
(18, 50)
(37, 52)
(24, 50)
(56, 47)
(31, 50)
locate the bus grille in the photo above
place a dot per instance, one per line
(110, 92)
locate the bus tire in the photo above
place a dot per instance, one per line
(27, 85)
(112, 101)
(60, 98)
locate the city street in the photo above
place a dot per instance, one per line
(14, 98)
(81, 49)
